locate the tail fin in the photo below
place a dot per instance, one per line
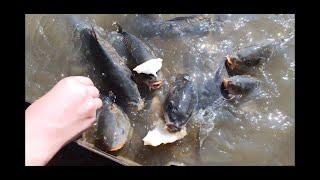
(118, 27)
(282, 43)
(218, 103)
(286, 39)
(93, 32)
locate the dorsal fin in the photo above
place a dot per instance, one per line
(118, 27)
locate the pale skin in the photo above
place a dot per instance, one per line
(58, 117)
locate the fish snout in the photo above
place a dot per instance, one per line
(240, 85)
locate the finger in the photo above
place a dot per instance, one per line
(98, 102)
(86, 124)
(93, 91)
(92, 105)
(83, 80)
(90, 108)
(89, 122)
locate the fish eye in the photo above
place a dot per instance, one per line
(175, 109)
(170, 105)
(238, 84)
(236, 87)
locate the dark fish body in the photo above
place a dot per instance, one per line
(113, 127)
(250, 56)
(137, 49)
(188, 25)
(180, 103)
(106, 61)
(153, 25)
(241, 84)
(153, 17)
(253, 55)
(210, 91)
(146, 25)
(116, 40)
(139, 53)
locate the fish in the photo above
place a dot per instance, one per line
(146, 25)
(145, 65)
(246, 58)
(240, 84)
(116, 40)
(210, 91)
(117, 77)
(180, 103)
(113, 126)
(195, 25)
(152, 25)
(170, 119)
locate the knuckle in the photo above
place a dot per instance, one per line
(68, 81)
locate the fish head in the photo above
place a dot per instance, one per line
(231, 62)
(150, 80)
(238, 66)
(180, 104)
(240, 84)
(149, 73)
(174, 119)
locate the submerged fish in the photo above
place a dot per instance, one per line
(250, 56)
(240, 84)
(154, 25)
(146, 25)
(196, 25)
(210, 91)
(113, 127)
(219, 87)
(146, 65)
(116, 75)
(215, 90)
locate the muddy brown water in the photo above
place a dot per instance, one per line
(257, 132)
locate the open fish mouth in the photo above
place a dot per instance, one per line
(172, 128)
(154, 84)
(240, 84)
(231, 62)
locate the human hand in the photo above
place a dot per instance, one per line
(59, 116)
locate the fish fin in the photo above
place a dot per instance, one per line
(283, 41)
(93, 32)
(118, 27)
(182, 18)
(217, 103)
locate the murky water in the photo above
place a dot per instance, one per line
(256, 132)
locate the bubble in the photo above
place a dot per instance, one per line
(285, 77)
(240, 23)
